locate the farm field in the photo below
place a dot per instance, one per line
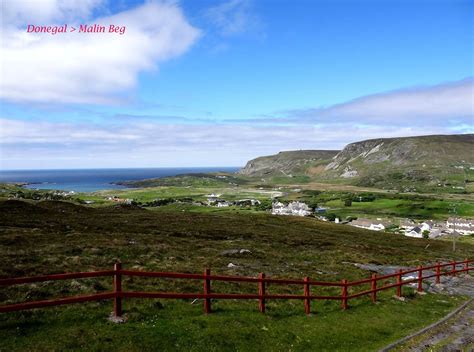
(405, 208)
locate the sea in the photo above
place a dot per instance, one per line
(90, 180)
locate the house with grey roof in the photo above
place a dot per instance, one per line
(369, 224)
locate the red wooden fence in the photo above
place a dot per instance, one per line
(262, 296)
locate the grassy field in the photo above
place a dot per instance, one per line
(172, 326)
(53, 237)
(404, 208)
(197, 193)
(231, 188)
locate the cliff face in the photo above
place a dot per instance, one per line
(413, 151)
(397, 162)
(287, 163)
(406, 163)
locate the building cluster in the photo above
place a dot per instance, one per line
(407, 227)
(216, 200)
(369, 224)
(428, 228)
(116, 199)
(292, 208)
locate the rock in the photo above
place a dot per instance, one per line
(235, 251)
(401, 299)
(438, 288)
(117, 320)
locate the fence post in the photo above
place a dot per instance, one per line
(207, 291)
(420, 278)
(438, 272)
(344, 294)
(454, 268)
(307, 300)
(399, 283)
(466, 265)
(117, 290)
(261, 292)
(373, 287)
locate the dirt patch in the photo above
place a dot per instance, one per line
(315, 170)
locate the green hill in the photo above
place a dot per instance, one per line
(424, 163)
(409, 163)
(288, 163)
(54, 237)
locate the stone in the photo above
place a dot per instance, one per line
(117, 320)
(401, 299)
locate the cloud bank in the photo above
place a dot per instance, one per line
(149, 144)
(436, 105)
(20, 12)
(81, 67)
(154, 141)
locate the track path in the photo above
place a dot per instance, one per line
(456, 333)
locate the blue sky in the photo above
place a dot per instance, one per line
(215, 83)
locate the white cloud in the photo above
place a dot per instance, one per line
(22, 12)
(84, 67)
(440, 104)
(42, 144)
(233, 17)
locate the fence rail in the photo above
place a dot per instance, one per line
(118, 294)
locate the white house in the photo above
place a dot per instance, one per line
(407, 224)
(425, 226)
(416, 232)
(462, 226)
(368, 224)
(211, 198)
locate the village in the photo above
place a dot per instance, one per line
(407, 227)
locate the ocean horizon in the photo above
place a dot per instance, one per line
(91, 180)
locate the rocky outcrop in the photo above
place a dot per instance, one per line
(287, 163)
(424, 159)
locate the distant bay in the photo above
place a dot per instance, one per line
(90, 180)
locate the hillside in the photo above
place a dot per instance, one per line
(54, 237)
(439, 162)
(288, 163)
(186, 180)
(407, 163)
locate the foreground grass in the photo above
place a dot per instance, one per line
(52, 237)
(233, 326)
